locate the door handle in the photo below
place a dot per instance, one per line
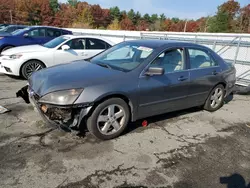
(215, 73)
(182, 78)
(84, 54)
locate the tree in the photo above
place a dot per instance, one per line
(73, 3)
(115, 13)
(131, 15)
(115, 25)
(147, 18)
(127, 24)
(219, 23)
(143, 25)
(101, 16)
(162, 17)
(154, 18)
(54, 5)
(137, 18)
(231, 8)
(175, 20)
(85, 19)
(5, 7)
(245, 19)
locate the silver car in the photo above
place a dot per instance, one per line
(131, 81)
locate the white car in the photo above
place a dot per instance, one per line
(24, 60)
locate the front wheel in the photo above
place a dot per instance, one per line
(31, 66)
(215, 99)
(109, 119)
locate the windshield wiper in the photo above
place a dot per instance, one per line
(104, 65)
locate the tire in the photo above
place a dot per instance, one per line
(31, 66)
(215, 99)
(7, 47)
(103, 123)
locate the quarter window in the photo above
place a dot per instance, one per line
(200, 59)
(171, 60)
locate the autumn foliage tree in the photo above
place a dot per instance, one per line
(230, 17)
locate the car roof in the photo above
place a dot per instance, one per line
(37, 26)
(154, 43)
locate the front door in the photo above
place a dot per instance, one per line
(77, 51)
(35, 36)
(168, 92)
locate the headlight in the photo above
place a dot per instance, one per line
(15, 56)
(65, 97)
(1, 38)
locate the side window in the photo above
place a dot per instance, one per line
(96, 44)
(53, 33)
(37, 33)
(77, 44)
(200, 59)
(171, 60)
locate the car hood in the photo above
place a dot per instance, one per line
(25, 49)
(4, 34)
(78, 74)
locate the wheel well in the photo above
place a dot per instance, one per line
(123, 97)
(20, 71)
(5, 47)
(220, 83)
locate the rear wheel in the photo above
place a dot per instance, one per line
(109, 119)
(215, 99)
(31, 66)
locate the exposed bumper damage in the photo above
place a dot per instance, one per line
(68, 118)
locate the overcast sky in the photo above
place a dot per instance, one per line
(171, 8)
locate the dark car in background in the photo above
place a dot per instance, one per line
(11, 28)
(131, 81)
(4, 25)
(30, 35)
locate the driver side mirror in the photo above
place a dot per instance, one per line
(25, 35)
(65, 47)
(154, 71)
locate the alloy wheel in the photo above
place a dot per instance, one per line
(216, 98)
(111, 119)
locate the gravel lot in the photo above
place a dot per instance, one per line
(190, 148)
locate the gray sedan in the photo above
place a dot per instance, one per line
(131, 81)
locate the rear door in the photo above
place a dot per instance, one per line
(204, 74)
(95, 46)
(77, 51)
(168, 92)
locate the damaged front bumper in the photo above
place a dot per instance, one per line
(68, 117)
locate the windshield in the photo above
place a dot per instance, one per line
(55, 42)
(20, 31)
(4, 29)
(125, 57)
